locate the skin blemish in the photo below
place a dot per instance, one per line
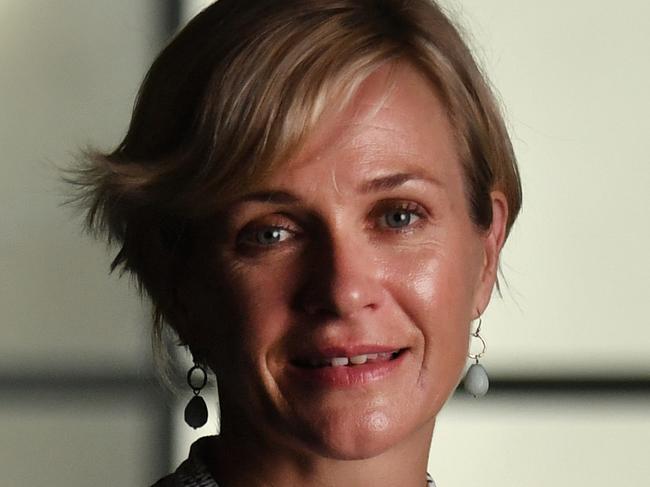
(377, 421)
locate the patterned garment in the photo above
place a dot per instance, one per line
(193, 472)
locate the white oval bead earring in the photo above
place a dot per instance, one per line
(476, 379)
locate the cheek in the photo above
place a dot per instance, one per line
(255, 327)
(435, 289)
(258, 317)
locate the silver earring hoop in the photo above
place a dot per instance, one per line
(476, 380)
(196, 412)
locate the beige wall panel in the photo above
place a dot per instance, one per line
(574, 79)
(541, 441)
(98, 443)
(70, 71)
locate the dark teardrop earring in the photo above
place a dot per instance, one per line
(196, 412)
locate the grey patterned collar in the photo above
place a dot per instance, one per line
(193, 472)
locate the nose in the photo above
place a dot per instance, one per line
(343, 279)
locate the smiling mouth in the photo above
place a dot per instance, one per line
(352, 361)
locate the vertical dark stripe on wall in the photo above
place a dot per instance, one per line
(170, 17)
(161, 403)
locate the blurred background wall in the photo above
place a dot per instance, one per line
(567, 344)
(79, 404)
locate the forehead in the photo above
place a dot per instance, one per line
(395, 120)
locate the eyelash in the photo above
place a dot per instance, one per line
(410, 208)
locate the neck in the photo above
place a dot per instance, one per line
(242, 456)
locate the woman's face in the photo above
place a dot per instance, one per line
(348, 280)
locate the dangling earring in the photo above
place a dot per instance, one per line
(196, 412)
(476, 379)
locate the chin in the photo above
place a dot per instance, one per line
(354, 436)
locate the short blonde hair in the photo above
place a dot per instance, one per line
(239, 89)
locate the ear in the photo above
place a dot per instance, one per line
(188, 301)
(493, 240)
(200, 308)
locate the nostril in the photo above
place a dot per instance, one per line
(341, 301)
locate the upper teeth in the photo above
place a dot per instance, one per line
(354, 360)
(338, 361)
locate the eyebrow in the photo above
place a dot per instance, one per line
(392, 181)
(273, 196)
(382, 183)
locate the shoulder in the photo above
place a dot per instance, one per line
(167, 482)
(189, 474)
(192, 472)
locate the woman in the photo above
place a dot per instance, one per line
(314, 194)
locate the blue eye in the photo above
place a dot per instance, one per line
(399, 218)
(270, 235)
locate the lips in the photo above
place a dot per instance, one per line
(347, 360)
(345, 367)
